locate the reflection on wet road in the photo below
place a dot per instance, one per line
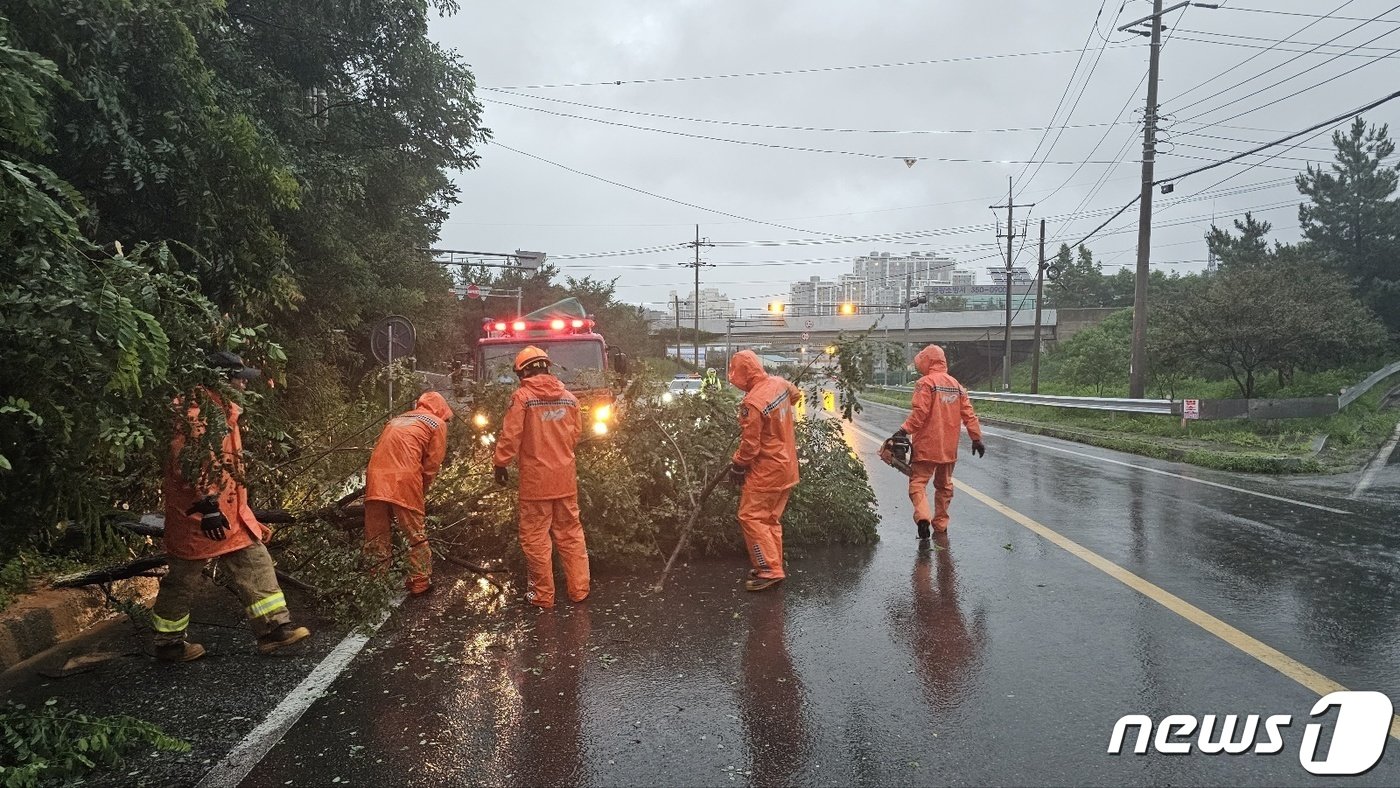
(999, 657)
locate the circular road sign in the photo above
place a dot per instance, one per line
(473, 292)
(402, 332)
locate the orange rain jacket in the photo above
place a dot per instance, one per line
(767, 425)
(941, 407)
(218, 476)
(408, 454)
(542, 425)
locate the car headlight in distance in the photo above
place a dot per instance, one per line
(668, 397)
(600, 428)
(602, 413)
(480, 420)
(488, 439)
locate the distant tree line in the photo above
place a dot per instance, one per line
(1330, 300)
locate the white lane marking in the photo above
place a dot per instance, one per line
(249, 753)
(1232, 488)
(1377, 464)
(1264, 653)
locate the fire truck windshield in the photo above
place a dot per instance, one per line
(575, 363)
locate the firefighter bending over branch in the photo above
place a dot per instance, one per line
(765, 464)
(405, 461)
(208, 519)
(940, 409)
(541, 428)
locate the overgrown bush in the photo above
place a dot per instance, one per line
(48, 746)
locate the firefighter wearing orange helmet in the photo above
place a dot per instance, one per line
(765, 464)
(541, 427)
(405, 461)
(941, 408)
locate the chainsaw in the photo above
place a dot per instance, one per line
(896, 453)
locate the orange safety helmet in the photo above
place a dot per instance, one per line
(531, 356)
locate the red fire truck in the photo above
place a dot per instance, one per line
(578, 354)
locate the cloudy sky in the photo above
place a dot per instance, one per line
(782, 128)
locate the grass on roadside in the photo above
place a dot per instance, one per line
(1276, 446)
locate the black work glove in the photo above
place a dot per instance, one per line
(979, 449)
(211, 521)
(738, 474)
(502, 475)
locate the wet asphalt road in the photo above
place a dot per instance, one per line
(999, 659)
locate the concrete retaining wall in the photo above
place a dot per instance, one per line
(42, 620)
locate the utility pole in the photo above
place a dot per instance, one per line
(1039, 295)
(696, 244)
(1137, 375)
(1010, 207)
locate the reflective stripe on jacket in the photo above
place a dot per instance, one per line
(541, 427)
(409, 453)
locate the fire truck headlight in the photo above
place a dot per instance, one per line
(600, 428)
(602, 413)
(480, 420)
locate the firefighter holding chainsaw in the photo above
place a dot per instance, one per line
(540, 430)
(926, 446)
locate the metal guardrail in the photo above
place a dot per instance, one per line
(1355, 392)
(1163, 407)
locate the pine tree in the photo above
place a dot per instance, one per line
(1353, 221)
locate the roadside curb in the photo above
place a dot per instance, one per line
(44, 619)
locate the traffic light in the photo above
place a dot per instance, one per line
(847, 308)
(776, 307)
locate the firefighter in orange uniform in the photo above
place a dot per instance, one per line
(209, 519)
(940, 410)
(405, 461)
(541, 428)
(765, 464)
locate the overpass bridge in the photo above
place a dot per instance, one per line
(924, 327)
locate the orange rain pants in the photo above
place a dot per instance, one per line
(378, 547)
(942, 475)
(545, 525)
(760, 515)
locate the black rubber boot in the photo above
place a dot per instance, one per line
(924, 529)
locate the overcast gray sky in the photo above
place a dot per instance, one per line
(1002, 65)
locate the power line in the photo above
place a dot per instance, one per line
(1251, 58)
(1288, 79)
(775, 146)
(784, 127)
(1276, 12)
(1074, 72)
(644, 191)
(784, 72)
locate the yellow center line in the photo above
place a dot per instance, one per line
(1270, 656)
